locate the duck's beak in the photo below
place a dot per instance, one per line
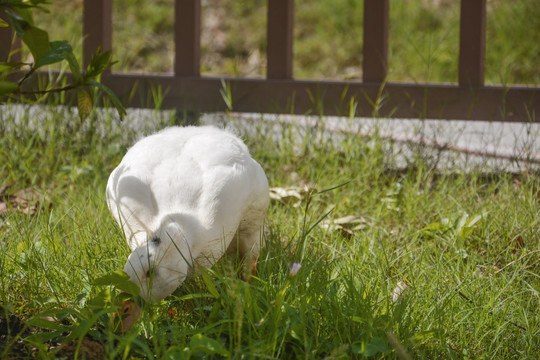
(128, 313)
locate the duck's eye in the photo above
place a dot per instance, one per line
(156, 240)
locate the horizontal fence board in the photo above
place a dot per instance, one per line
(395, 100)
(334, 98)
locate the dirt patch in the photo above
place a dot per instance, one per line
(27, 201)
(88, 349)
(12, 329)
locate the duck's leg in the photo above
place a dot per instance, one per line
(249, 235)
(250, 245)
(247, 244)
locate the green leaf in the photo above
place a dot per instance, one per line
(469, 225)
(57, 52)
(203, 343)
(7, 87)
(226, 94)
(195, 296)
(101, 300)
(117, 104)
(3, 23)
(84, 104)
(209, 284)
(99, 63)
(45, 324)
(376, 346)
(37, 41)
(41, 338)
(6, 66)
(73, 65)
(59, 314)
(434, 227)
(177, 353)
(424, 336)
(120, 280)
(26, 13)
(83, 327)
(17, 22)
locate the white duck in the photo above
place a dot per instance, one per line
(185, 196)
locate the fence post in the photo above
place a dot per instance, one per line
(187, 31)
(9, 46)
(279, 49)
(97, 27)
(375, 52)
(472, 42)
(6, 36)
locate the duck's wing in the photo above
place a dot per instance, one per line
(132, 204)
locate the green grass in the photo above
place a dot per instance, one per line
(424, 38)
(466, 244)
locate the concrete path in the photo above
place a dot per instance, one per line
(451, 145)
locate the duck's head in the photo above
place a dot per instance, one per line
(158, 267)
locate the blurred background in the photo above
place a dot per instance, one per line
(424, 38)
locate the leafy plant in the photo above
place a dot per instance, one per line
(90, 318)
(44, 52)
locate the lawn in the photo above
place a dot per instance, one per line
(434, 264)
(366, 255)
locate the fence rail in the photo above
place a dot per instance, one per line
(279, 92)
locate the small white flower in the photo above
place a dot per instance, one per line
(294, 268)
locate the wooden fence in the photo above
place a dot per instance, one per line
(279, 92)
